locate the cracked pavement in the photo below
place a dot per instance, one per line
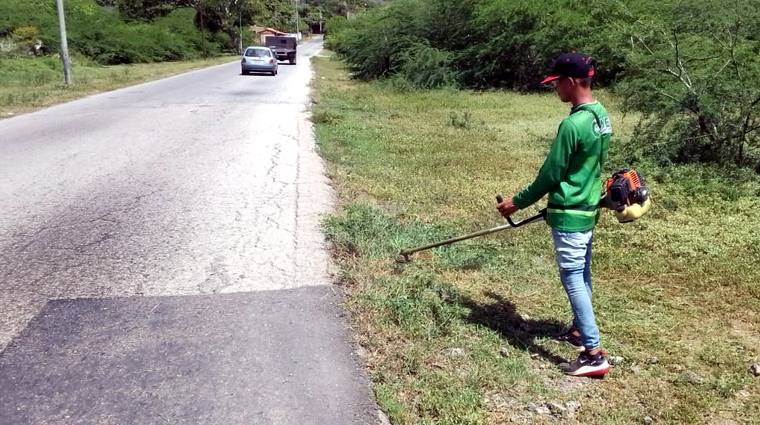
(204, 184)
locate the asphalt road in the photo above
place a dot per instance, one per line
(161, 259)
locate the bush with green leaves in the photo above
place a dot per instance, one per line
(427, 67)
(518, 40)
(38, 14)
(108, 42)
(486, 43)
(374, 44)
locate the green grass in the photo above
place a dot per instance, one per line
(675, 292)
(28, 83)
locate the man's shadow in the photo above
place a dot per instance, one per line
(502, 316)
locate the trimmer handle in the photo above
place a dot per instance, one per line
(540, 216)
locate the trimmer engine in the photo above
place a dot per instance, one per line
(626, 187)
(627, 195)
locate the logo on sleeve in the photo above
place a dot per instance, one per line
(606, 126)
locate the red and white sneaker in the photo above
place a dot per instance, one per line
(587, 364)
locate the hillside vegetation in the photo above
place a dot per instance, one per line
(133, 31)
(102, 34)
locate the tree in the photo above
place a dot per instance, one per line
(275, 13)
(698, 84)
(146, 9)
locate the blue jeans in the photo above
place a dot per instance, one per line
(573, 252)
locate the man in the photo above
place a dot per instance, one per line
(570, 176)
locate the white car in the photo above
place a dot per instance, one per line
(258, 59)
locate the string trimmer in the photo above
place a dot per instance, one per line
(626, 195)
(405, 253)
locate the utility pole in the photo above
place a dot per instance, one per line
(320, 20)
(202, 7)
(295, 2)
(64, 44)
(239, 4)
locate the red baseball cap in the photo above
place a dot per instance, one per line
(575, 65)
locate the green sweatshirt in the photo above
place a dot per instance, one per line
(572, 170)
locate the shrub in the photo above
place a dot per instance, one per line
(26, 33)
(374, 44)
(427, 67)
(484, 43)
(518, 40)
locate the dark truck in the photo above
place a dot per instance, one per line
(284, 47)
